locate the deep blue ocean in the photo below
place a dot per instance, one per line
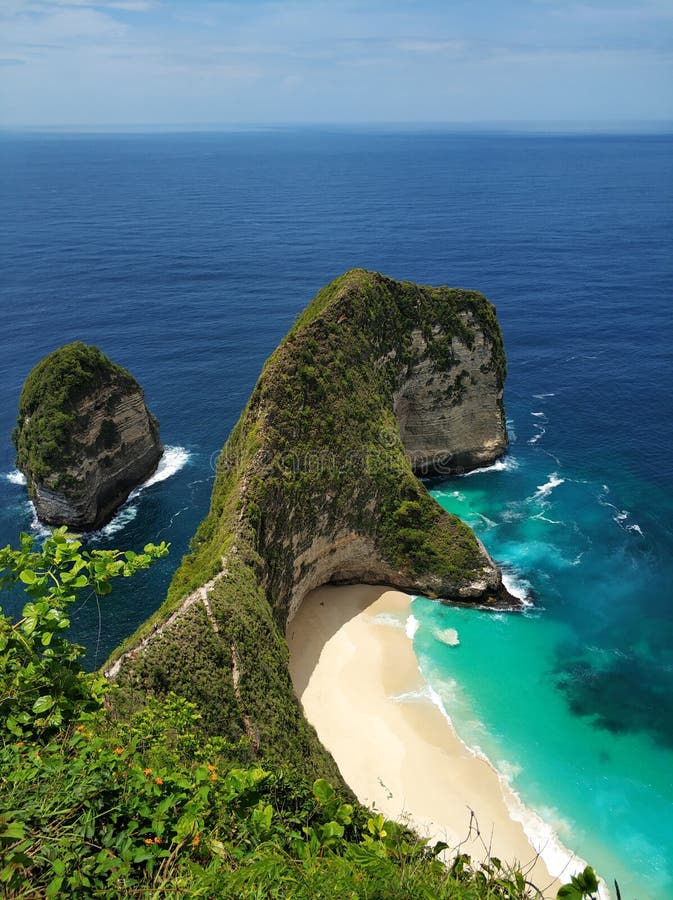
(186, 258)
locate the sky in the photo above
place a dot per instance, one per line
(205, 62)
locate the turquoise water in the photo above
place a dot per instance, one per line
(571, 698)
(187, 257)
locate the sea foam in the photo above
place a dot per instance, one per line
(543, 490)
(16, 477)
(504, 464)
(173, 459)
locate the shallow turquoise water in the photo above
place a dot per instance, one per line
(570, 699)
(187, 257)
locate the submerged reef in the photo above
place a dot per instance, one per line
(84, 437)
(378, 382)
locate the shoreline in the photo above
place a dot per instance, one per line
(354, 669)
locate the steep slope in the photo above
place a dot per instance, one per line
(377, 380)
(84, 437)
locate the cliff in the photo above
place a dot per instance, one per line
(84, 437)
(377, 381)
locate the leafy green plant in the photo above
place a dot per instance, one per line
(581, 886)
(43, 687)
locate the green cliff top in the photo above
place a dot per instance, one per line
(48, 401)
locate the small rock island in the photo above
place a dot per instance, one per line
(84, 437)
(378, 382)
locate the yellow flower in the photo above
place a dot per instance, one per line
(195, 840)
(213, 776)
(149, 841)
(210, 768)
(159, 780)
(20, 744)
(157, 840)
(147, 771)
(118, 751)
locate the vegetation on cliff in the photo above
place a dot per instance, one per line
(84, 437)
(313, 485)
(97, 806)
(48, 406)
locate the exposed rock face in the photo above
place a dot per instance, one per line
(377, 380)
(84, 437)
(448, 438)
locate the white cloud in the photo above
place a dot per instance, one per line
(65, 26)
(125, 5)
(430, 45)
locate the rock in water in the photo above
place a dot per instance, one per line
(84, 437)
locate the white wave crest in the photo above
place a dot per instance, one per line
(412, 626)
(487, 521)
(636, 529)
(16, 477)
(125, 515)
(422, 695)
(543, 396)
(448, 636)
(544, 518)
(173, 459)
(37, 527)
(504, 464)
(517, 586)
(388, 619)
(543, 836)
(536, 437)
(543, 490)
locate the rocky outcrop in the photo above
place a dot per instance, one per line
(443, 438)
(84, 437)
(378, 380)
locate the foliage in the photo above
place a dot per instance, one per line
(584, 885)
(43, 685)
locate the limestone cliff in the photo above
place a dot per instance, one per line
(84, 437)
(377, 380)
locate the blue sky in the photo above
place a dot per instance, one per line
(157, 62)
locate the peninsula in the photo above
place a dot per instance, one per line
(377, 382)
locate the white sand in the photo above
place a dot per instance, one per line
(351, 662)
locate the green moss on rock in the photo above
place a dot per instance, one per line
(48, 405)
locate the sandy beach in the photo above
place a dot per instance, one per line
(354, 669)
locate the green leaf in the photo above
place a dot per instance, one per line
(28, 576)
(11, 831)
(568, 892)
(43, 703)
(323, 791)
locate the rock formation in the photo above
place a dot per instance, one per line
(376, 381)
(84, 437)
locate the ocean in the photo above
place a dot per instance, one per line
(186, 258)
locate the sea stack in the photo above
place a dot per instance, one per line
(84, 437)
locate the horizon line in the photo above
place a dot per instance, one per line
(552, 126)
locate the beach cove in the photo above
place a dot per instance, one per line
(353, 667)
